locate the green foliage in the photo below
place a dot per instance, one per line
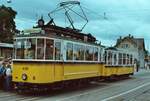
(7, 24)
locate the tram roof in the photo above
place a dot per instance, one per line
(60, 31)
(59, 38)
(39, 32)
(112, 48)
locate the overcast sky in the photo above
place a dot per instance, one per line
(122, 17)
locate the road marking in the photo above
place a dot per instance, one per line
(94, 91)
(127, 92)
(106, 99)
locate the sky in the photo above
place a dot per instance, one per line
(121, 18)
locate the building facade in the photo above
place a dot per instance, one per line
(135, 45)
(6, 50)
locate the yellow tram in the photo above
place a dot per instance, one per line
(43, 59)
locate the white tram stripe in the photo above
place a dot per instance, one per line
(127, 92)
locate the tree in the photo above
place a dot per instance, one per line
(7, 24)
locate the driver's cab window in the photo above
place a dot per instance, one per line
(25, 48)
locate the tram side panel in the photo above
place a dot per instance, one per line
(72, 71)
(44, 73)
(109, 71)
(118, 62)
(117, 70)
(125, 70)
(33, 72)
(77, 71)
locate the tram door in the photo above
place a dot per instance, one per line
(58, 60)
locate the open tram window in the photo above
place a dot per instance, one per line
(78, 52)
(49, 49)
(109, 58)
(89, 53)
(95, 54)
(57, 50)
(120, 59)
(124, 59)
(69, 52)
(100, 54)
(105, 56)
(40, 48)
(115, 59)
(128, 59)
(131, 59)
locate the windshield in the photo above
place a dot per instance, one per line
(37, 48)
(25, 48)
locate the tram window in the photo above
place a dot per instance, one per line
(20, 49)
(78, 52)
(128, 59)
(40, 48)
(100, 54)
(120, 59)
(25, 49)
(105, 56)
(131, 59)
(49, 49)
(57, 50)
(95, 54)
(29, 45)
(115, 59)
(69, 52)
(109, 58)
(89, 53)
(124, 59)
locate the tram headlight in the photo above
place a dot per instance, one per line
(24, 76)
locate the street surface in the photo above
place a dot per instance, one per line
(136, 88)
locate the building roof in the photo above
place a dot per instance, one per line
(139, 42)
(6, 45)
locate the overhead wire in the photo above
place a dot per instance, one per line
(105, 18)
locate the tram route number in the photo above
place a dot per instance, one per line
(25, 68)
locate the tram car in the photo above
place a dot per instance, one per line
(54, 55)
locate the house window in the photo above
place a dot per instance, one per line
(125, 45)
